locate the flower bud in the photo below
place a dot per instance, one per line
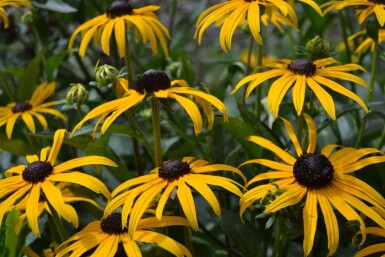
(318, 48)
(105, 75)
(77, 94)
(27, 17)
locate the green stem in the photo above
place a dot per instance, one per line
(154, 105)
(127, 60)
(58, 222)
(258, 94)
(7, 88)
(248, 65)
(370, 94)
(292, 44)
(300, 129)
(345, 35)
(279, 237)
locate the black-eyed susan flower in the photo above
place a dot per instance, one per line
(157, 84)
(15, 3)
(365, 43)
(232, 13)
(41, 177)
(364, 8)
(302, 73)
(119, 18)
(377, 233)
(104, 236)
(68, 196)
(179, 175)
(29, 109)
(320, 179)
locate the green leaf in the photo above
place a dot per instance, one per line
(246, 237)
(53, 63)
(15, 146)
(29, 77)
(11, 238)
(56, 6)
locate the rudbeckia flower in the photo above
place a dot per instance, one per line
(364, 8)
(120, 17)
(15, 3)
(29, 109)
(179, 175)
(300, 73)
(107, 234)
(318, 179)
(41, 177)
(42, 206)
(233, 13)
(156, 84)
(365, 44)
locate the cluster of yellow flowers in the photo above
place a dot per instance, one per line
(307, 179)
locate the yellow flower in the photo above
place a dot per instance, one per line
(178, 175)
(364, 8)
(156, 84)
(68, 198)
(317, 178)
(29, 109)
(41, 175)
(365, 44)
(105, 236)
(48, 252)
(300, 73)
(232, 13)
(120, 17)
(15, 3)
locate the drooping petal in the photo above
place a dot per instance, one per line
(310, 217)
(32, 209)
(56, 145)
(186, 201)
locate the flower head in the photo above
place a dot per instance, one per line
(121, 17)
(157, 84)
(182, 175)
(232, 13)
(104, 236)
(319, 179)
(29, 109)
(364, 8)
(41, 175)
(15, 3)
(364, 43)
(300, 73)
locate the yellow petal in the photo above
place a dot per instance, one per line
(32, 207)
(186, 201)
(310, 217)
(290, 131)
(56, 145)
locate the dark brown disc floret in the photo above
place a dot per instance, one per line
(152, 81)
(21, 107)
(302, 67)
(174, 169)
(377, 1)
(313, 170)
(118, 8)
(113, 224)
(37, 171)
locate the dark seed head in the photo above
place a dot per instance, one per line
(113, 224)
(152, 81)
(37, 171)
(377, 1)
(21, 107)
(302, 67)
(118, 8)
(313, 170)
(174, 169)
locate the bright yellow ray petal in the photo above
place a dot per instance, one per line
(267, 144)
(371, 249)
(290, 131)
(131, 248)
(324, 97)
(82, 179)
(226, 183)
(120, 36)
(56, 145)
(86, 40)
(83, 161)
(327, 150)
(291, 197)
(32, 209)
(270, 175)
(218, 167)
(186, 201)
(106, 36)
(299, 90)
(41, 119)
(253, 18)
(108, 247)
(310, 217)
(28, 120)
(271, 164)
(163, 199)
(312, 130)
(10, 200)
(135, 181)
(10, 124)
(361, 164)
(278, 91)
(330, 222)
(205, 192)
(153, 222)
(314, 5)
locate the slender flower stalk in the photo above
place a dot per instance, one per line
(154, 105)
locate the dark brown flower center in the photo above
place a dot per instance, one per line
(174, 169)
(37, 171)
(21, 107)
(302, 67)
(113, 224)
(118, 8)
(313, 170)
(152, 81)
(377, 1)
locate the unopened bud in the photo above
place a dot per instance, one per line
(27, 17)
(105, 75)
(77, 94)
(318, 48)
